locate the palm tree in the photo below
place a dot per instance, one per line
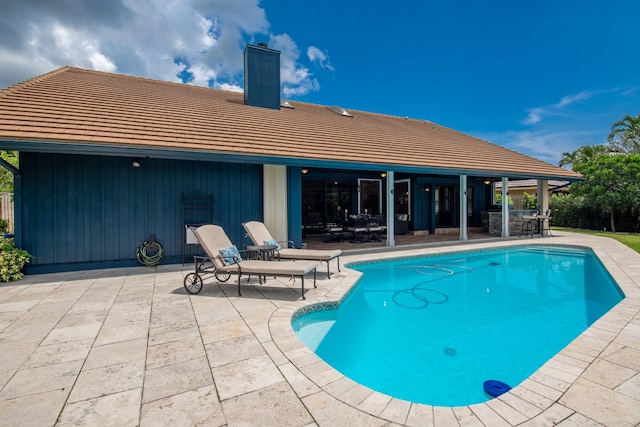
(568, 159)
(625, 134)
(583, 154)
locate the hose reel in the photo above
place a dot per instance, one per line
(150, 253)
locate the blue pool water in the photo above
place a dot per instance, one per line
(433, 329)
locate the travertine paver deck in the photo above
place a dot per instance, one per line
(129, 347)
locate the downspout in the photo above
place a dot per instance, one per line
(17, 202)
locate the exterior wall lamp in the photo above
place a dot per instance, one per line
(304, 170)
(383, 174)
(136, 163)
(427, 188)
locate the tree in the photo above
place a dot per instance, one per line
(625, 134)
(499, 199)
(529, 201)
(611, 183)
(583, 154)
(6, 177)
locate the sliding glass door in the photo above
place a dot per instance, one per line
(402, 197)
(444, 204)
(370, 196)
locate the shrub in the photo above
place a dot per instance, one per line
(529, 201)
(575, 211)
(12, 260)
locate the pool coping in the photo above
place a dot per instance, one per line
(549, 395)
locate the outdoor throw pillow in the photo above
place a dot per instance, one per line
(273, 242)
(230, 255)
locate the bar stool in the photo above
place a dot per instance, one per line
(545, 223)
(529, 225)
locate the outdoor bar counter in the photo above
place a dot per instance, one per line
(492, 221)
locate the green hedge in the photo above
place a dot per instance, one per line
(573, 211)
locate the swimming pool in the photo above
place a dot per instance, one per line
(433, 329)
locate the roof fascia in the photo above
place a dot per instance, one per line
(61, 147)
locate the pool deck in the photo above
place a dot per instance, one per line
(130, 347)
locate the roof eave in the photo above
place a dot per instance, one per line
(210, 155)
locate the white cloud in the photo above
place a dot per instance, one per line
(574, 98)
(296, 80)
(316, 55)
(73, 47)
(537, 114)
(568, 124)
(101, 63)
(201, 75)
(229, 87)
(163, 39)
(630, 91)
(546, 144)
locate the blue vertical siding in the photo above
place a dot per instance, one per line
(423, 215)
(93, 211)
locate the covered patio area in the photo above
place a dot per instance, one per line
(403, 241)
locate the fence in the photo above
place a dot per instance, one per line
(6, 209)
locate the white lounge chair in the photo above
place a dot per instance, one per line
(259, 235)
(225, 259)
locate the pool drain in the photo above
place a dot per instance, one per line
(449, 351)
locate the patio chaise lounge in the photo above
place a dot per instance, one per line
(226, 259)
(259, 235)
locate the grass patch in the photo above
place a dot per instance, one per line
(629, 239)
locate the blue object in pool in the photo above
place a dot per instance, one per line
(495, 388)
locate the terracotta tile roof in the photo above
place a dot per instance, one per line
(532, 183)
(82, 106)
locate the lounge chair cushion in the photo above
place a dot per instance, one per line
(258, 232)
(316, 255)
(284, 268)
(273, 242)
(231, 255)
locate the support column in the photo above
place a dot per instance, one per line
(543, 196)
(463, 207)
(275, 200)
(543, 204)
(390, 210)
(505, 206)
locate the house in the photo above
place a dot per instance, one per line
(108, 161)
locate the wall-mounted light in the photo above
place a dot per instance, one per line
(136, 163)
(487, 182)
(427, 188)
(304, 170)
(383, 174)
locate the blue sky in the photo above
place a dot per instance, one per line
(540, 78)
